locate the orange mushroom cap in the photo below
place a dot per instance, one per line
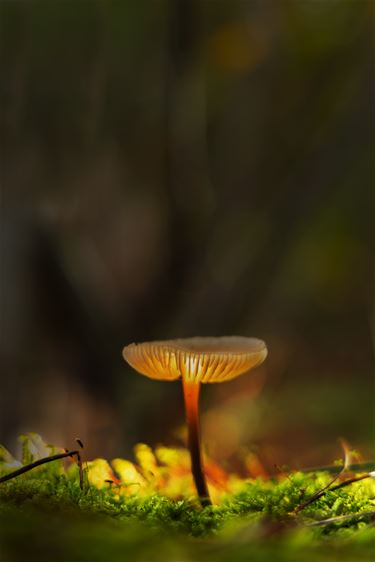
(199, 359)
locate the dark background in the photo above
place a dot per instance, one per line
(188, 168)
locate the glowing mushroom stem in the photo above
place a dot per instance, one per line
(191, 396)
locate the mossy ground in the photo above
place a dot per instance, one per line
(44, 515)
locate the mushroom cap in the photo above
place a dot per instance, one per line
(196, 359)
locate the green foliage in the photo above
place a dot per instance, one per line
(45, 510)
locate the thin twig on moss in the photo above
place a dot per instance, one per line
(339, 518)
(44, 460)
(330, 488)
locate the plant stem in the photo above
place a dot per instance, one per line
(44, 460)
(191, 396)
(370, 514)
(330, 488)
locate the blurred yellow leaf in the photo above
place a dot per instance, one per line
(146, 459)
(127, 472)
(98, 472)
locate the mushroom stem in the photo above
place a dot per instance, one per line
(191, 396)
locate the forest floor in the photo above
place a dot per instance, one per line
(138, 512)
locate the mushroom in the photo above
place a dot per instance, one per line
(196, 360)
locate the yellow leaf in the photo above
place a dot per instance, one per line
(98, 472)
(127, 472)
(146, 459)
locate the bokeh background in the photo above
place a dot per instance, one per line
(188, 168)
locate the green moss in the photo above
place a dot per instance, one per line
(45, 515)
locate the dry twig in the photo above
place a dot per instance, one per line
(44, 460)
(329, 486)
